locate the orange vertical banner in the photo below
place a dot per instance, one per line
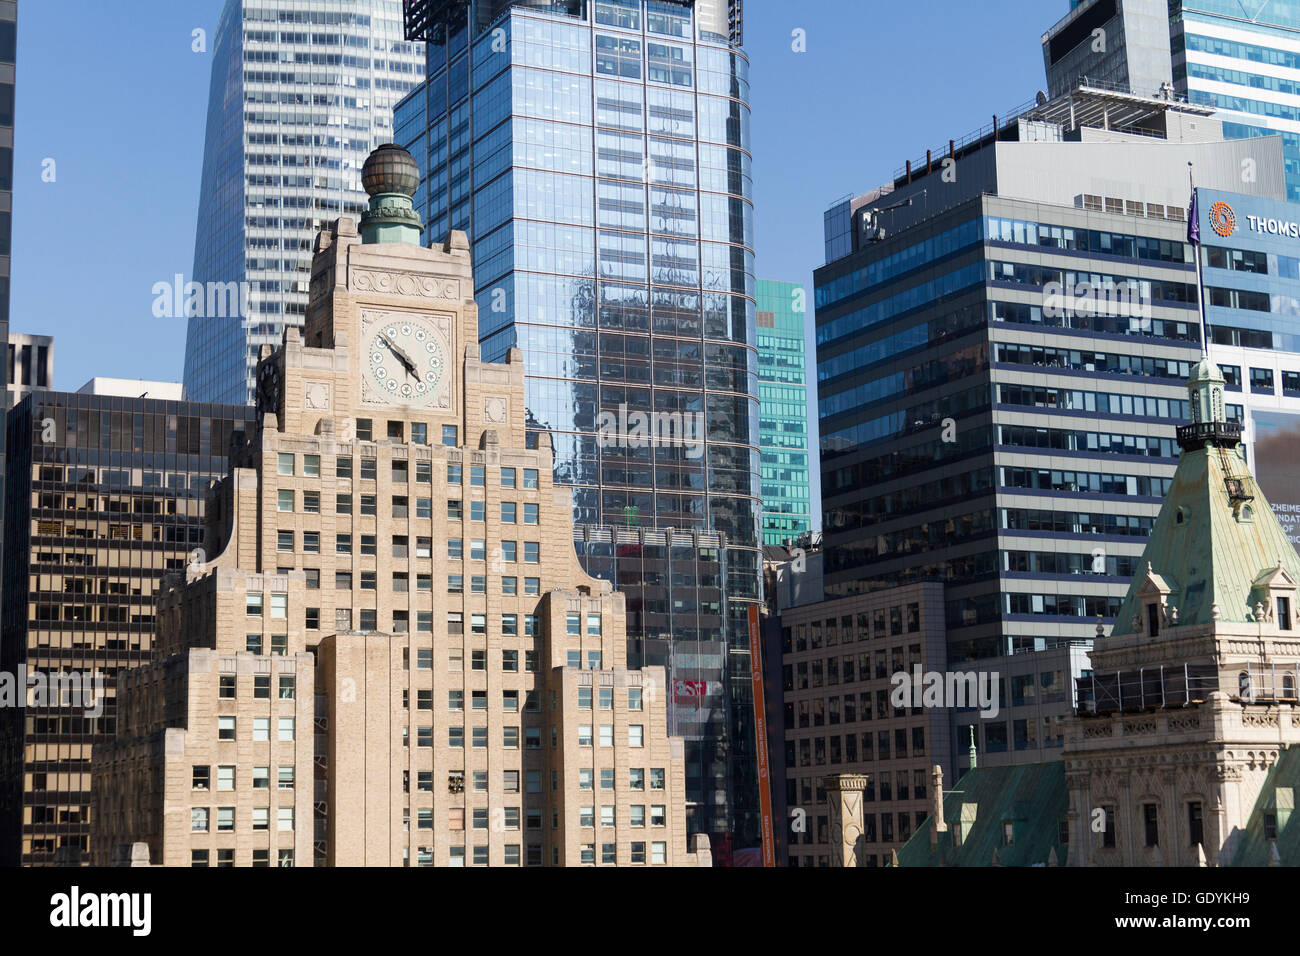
(760, 731)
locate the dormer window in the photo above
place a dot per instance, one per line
(1153, 619)
(1284, 613)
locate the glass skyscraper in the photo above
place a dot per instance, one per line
(1246, 64)
(302, 91)
(598, 155)
(783, 413)
(1241, 58)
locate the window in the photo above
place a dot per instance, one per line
(607, 735)
(584, 735)
(365, 429)
(287, 686)
(227, 687)
(311, 466)
(449, 435)
(369, 469)
(634, 698)
(530, 477)
(508, 512)
(477, 476)
(225, 728)
(201, 777)
(225, 818)
(285, 463)
(419, 433)
(635, 735)
(284, 499)
(199, 820)
(253, 602)
(285, 728)
(453, 474)
(284, 818)
(478, 511)
(226, 778)
(261, 728)
(343, 543)
(343, 504)
(1150, 824)
(636, 778)
(507, 477)
(532, 586)
(530, 514)
(343, 467)
(657, 778)
(261, 778)
(310, 542)
(1195, 824)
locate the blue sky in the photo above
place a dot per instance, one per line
(119, 103)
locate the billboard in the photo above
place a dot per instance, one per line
(1277, 466)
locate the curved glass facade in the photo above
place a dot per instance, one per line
(598, 155)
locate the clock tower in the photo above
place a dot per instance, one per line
(391, 332)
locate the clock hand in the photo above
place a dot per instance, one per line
(401, 356)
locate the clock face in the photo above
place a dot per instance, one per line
(405, 362)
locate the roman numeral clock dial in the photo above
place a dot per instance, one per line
(405, 363)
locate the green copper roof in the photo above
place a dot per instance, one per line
(1032, 797)
(1255, 848)
(1213, 540)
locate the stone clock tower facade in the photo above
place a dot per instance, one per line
(389, 654)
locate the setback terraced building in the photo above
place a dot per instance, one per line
(395, 657)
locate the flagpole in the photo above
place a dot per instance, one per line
(1194, 237)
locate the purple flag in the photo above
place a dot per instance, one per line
(1194, 221)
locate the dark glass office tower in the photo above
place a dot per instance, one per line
(598, 155)
(106, 496)
(1001, 360)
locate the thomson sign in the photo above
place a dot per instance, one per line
(1223, 220)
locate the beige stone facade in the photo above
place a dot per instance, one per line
(444, 684)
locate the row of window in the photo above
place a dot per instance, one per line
(226, 857)
(369, 546)
(201, 818)
(865, 626)
(287, 498)
(636, 816)
(816, 750)
(284, 728)
(287, 465)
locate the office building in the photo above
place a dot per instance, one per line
(838, 663)
(301, 92)
(1182, 751)
(1122, 44)
(393, 656)
(1000, 358)
(107, 497)
(783, 411)
(1241, 59)
(598, 156)
(30, 364)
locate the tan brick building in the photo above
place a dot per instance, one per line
(395, 658)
